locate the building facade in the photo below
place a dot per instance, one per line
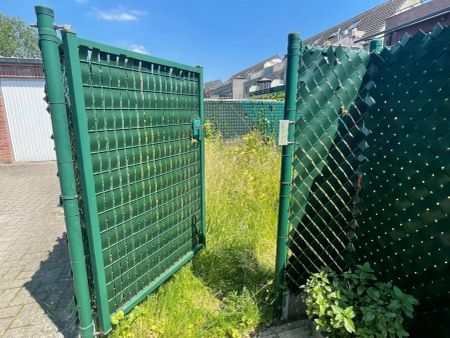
(268, 73)
(355, 32)
(388, 21)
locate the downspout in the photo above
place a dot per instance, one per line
(49, 44)
(290, 112)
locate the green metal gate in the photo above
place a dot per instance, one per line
(369, 161)
(129, 141)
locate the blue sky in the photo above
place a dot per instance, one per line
(223, 36)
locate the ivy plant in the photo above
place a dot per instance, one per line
(355, 304)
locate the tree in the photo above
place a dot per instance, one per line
(17, 38)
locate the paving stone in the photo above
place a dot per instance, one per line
(35, 287)
(3, 271)
(10, 311)
(31, 331)
(15, 283)
(30, 314)
(4, 323)
(7, 296)
(26, 275)
(22, 297)
(298, 329)
(12, 273)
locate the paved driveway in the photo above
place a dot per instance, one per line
(36, 292)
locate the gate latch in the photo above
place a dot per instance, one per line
(196, 129)
(283, 132)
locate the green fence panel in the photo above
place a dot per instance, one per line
(404, 226)
(137, 141)
(236, 118)
(328, 146)
(372, 169)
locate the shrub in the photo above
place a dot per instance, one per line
(355, 304)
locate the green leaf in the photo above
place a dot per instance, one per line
(349, 325)
(408, 313)
(394, 305)
(365, 267)
(390, 315)
(336, 309)
(360, 290)
(402, 333)
(348, 312)
(412, 300)
(397, 292)
(369, 316)
(407, 306)
(114, 320)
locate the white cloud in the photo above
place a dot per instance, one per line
(138, 49)
(118, 14)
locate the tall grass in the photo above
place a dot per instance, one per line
(224, 292)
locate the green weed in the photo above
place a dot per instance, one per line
(225, 290)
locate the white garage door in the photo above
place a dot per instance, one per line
(28, 120)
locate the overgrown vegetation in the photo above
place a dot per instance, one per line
(224, 292)
(355, 304)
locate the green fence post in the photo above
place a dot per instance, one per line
(290, 109)
(49, 44)
(376, 45)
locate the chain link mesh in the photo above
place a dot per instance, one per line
(404, 224)
(327, 155)
(372, 169)
(236, 118)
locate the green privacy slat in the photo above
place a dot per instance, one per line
(327, 139)
(141, 173)
(409, 243)
(235, 118)
(372, 164)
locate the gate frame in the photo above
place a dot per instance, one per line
(50, 45)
